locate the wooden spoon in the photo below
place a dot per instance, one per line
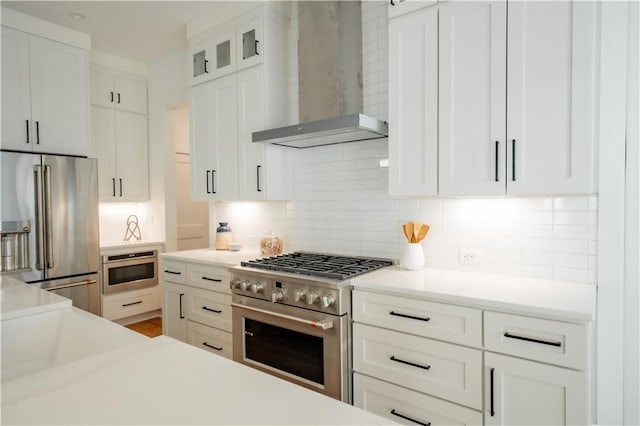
(409, 231)
(416, 231)
(424, 229)
(405, 229)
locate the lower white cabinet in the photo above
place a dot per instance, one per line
(130, 303)
(197, 305)
(519, 391)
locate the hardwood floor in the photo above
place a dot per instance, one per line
(151, 327)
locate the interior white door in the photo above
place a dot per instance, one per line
(132, 157)
(103, 148)
(413, 104)
(472, 61)
(192, 216)
(551, 96)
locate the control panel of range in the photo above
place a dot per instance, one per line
(308, 296)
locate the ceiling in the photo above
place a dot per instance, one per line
(143, 31)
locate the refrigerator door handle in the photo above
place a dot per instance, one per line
(37, 170)
(48, 216)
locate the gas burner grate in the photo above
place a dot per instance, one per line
(319, 265)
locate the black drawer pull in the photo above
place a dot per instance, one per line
(402, 416)
(492, 408)
(211, 310)
(532, 340)
(211, 346)
(132, 303)
(215, 280)
(27, 130)
(413, 364)
(181, 313)
(410, 316)
(172, 272)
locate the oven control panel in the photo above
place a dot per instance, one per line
(309, 296)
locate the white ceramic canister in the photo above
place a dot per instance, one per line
(412, 257)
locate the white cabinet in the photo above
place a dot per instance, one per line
(413, 104)
(401, 7)
(130, 303)
(119, 137)
(44, 95)
(197, 305)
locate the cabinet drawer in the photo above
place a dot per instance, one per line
(122, 305)
(447, 371)
(407, 406)
(553, 342)
(209, 278)
(174, 272)
(210, 339)
(436, 320)
(209, 308)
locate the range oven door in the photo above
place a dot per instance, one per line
(304, 347)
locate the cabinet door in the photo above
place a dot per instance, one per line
(201, 142)
(401, 7)
(252, 167)
(413, 104)
(250, 47)
(132, 164)
(527, 392)
(551, 93)
(472, 108)
(103, 148)
(59, 97)
(174, 311)
(224, 136)
(224, 54)
(16, 96)
(200, 63)
(102, 87)
(131, 94)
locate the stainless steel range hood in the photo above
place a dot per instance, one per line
(329, 80)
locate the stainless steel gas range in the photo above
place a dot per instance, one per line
(292, 314)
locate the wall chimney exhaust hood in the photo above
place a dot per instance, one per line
(329, 80)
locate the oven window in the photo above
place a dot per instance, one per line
(286, 350)
(126, 274)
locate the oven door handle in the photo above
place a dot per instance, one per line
(325, 325)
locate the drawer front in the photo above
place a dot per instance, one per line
(130, 303)
(210, 339)
(553, 342)
(209, 278)
(436, 320)
(440, 369)
(408, 407)
(174, 272)
(209, 308)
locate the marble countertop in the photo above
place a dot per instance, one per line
(214, 257)
(550, 299)
(18, 299)
(118, 245)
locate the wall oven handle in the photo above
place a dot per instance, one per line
(325, 325)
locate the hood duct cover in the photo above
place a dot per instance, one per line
(329, 80)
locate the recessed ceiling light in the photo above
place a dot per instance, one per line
(77, 16)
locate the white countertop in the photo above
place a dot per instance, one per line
(214, 257)
(18, 299)
(552, 299)
(117, 245)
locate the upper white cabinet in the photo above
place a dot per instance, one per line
(516, 99)
(44, 95)
(119, 135)
(224, 112)
(401, 7)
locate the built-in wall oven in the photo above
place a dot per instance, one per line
(130, 271)
(294, 321)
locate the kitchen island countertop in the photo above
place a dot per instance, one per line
(18, 299)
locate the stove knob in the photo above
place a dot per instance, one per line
(257, 288)
(299, 295)
(244, 285)
(235, 283)
(312, 298)
(327, 301)
(277, 296)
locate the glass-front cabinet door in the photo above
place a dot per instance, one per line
(200, 54)
(224, 46)
(250, 50)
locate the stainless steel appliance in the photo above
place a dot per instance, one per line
(130, 271)
(291, 317)
(55, 198)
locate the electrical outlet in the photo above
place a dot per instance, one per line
(467, 257)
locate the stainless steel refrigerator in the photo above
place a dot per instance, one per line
(50, 226)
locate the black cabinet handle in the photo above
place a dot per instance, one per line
(118, 97)
(402, 416)
(513, 159)
(258, 178)
(172, 272)
(206, 61)
(211, 346)
(497, 159)
(111, 96)
(37, 133)
(113, 183)
(256, 47)
(213, 181)
(215, 311)
(120, 186)
(27, 130)
(215, 280)
(532, 340)
(392, 3)
(492, 409)
(396, 314)
(181, 313)
(132, 303)
(413, 364)
(208, 190)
